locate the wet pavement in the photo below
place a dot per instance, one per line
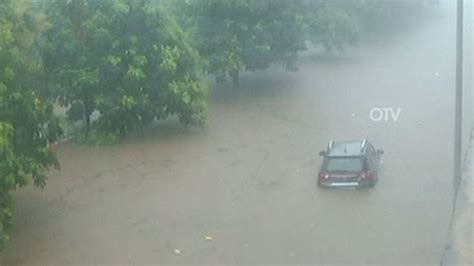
(244, 191)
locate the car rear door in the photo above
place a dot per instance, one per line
(373, 158)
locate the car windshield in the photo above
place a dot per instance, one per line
(345, 164)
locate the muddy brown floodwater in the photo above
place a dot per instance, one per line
(244, 191)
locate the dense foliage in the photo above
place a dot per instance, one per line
(27, 125)
(125, 59)
(333, 24)
(241, 35)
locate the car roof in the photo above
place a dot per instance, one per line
(347, 148)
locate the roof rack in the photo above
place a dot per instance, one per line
(362, 145)
(330, 144)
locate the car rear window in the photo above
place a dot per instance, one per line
(353, 164)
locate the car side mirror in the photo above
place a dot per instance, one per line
(379, 152)
(322, 153)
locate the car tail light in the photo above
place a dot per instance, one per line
(365, 175)
(323, 175)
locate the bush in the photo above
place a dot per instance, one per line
(6, 217)
(98, 138)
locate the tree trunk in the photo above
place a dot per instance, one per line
(234, 74)
(87, 118)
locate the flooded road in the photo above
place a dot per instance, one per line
(244, 191)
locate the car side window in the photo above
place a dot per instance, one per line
(371, 157)
(371, 150)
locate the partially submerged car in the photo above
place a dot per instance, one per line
(349, 164)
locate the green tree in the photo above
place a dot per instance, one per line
(27, 125)
(126, 59)
(338, 23)
(249, 35)
(243, 35)
(332, 24)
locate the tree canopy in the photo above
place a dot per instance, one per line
(125, 59)
(27, 125)
(241, 35)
